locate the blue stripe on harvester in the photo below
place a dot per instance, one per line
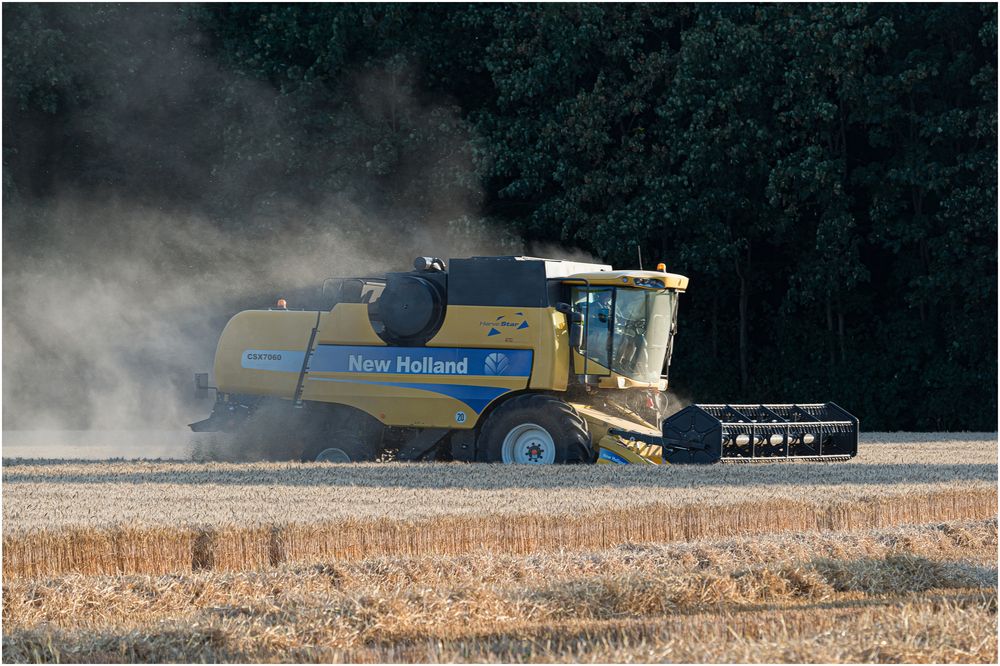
(419, 360)
(476, 397)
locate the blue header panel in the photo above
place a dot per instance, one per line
(421, 360)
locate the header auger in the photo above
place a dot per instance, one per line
(491, 359)
(748, 433)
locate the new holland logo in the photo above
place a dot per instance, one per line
(496, 364)
(501, 322)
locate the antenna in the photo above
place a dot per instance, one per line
(638, 248)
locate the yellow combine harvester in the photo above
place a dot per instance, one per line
(493, 359)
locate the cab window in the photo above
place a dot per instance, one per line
(597, 306)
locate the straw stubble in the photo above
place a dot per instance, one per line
(891, 557)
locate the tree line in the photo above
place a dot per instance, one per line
(825, 174)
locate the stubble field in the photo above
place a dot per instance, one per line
(890, 557)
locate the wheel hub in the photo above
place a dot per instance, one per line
(333, 455)
(535, 452)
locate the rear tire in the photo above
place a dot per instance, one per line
(341, 448)
(534, 428)
(336, 433)
(271, 433)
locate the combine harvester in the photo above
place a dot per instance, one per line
(492, 359)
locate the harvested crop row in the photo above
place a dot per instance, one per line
(967, 548)
(836, 597)
(235, 548)
(947, 628)
(45, 495)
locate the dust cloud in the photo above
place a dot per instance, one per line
(113, 298)
(676, 402)
(105, 326)
(124, 317)
(550, 250)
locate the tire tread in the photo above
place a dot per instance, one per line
(573, 446)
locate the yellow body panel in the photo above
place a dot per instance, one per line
(551, 369)
(616, 451)
(280, 333)
(470, 325)
(347, 324)
(598, 422)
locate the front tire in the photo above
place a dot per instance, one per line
(534, 429)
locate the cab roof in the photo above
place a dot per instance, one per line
(629, 278)
(601, 274)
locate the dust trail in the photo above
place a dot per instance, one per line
(104, 333)
(112, 298)
(556, 251)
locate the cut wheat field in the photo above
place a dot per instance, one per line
(890, 557)
(905, 594)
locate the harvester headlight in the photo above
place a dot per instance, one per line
(652, 283)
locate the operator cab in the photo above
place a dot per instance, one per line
(628, 320)
(627, 330)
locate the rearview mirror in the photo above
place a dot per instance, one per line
(576, 336)
(575, 325)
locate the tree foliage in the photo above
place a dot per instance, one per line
(825, 174)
